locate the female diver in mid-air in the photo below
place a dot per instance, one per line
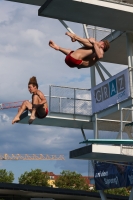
(38, 107)
(86, 56)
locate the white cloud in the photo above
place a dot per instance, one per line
(33, 36)
(4, 118)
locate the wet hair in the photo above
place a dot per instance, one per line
(106, 45)
(33, 81)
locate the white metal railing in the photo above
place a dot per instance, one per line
(63, 100)
(70, 100)
(99, 33)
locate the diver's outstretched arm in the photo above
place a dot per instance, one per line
(56, 47)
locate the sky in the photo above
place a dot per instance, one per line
(24, 52)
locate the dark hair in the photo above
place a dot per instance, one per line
(33, 81)
(106, 45)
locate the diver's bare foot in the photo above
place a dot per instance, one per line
(32, 118)
(16, 119)
(72, 36)
(53, 45)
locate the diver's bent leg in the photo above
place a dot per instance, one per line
(34, 108)
(84, 41)
(25, 105)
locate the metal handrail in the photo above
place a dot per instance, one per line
(69, 87)
(69, 98)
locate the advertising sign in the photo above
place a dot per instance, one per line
(111, 91)
(109, 176)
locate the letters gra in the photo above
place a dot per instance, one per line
(111, 91)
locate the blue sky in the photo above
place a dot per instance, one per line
(24, 52)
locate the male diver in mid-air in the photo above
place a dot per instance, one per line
(38, 107)
(86, 56)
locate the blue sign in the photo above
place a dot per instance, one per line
(108, 176)
(110, 92)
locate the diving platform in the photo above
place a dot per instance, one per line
(109, 14)
(103, 153)
(65, 120)
(60, 120)
(97, 13)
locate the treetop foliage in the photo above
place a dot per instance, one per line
(34, 177)
(6, 177)
(71, 180)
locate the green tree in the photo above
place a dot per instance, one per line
(34, 177)
(6, 177)
(118, 191)
(71, 180)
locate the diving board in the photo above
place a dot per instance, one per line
(60, 120)
(103, 153)
(108, 141)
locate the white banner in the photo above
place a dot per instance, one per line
(111, 91)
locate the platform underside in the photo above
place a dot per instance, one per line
(69, 121)
(102, 153)
(97, 13)
(60, 120)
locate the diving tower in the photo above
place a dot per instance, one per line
(72, 111)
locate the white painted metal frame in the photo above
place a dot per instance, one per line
(102, 194)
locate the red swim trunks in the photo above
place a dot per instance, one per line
(72, 62)
(46, 113)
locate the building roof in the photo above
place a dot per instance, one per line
(48, 192)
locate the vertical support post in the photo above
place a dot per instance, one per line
(102, 195)
(74, 101)
(93, 77)
(93, 83)
(60, 104)
(121, 123)
(131, 194)
(129, 37)
(49, 98)
(121, 130)
(84, 136)
(95, 128)
(132, 115)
